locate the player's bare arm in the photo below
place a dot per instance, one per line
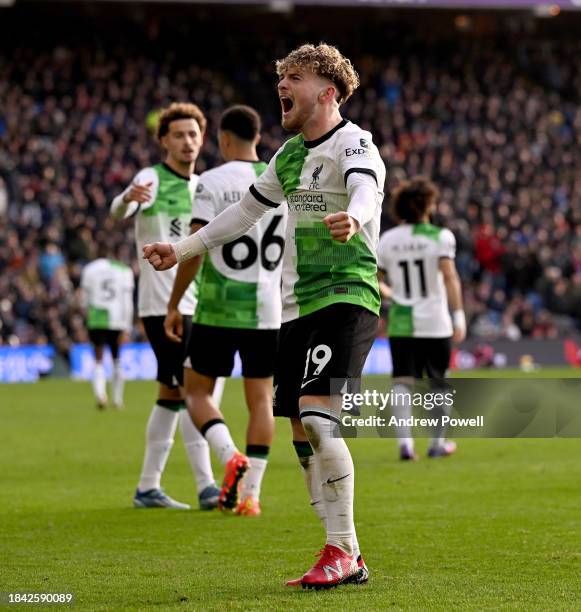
(384, 288)
(454, 291)
(138, 193)
(186, 272)
(130, 201)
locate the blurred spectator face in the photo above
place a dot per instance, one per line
(183, 141)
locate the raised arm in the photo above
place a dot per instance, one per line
(230, 224)
(140, 194)
(363, 201)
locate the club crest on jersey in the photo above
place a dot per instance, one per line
(314, 186)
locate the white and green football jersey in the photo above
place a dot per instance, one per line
(239, 284)
(317, 270)
(108, 292)
(165, 218)
(410, 255)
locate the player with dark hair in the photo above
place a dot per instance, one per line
(160, 198)
(416, 259)
(332, 177)
(239, 310)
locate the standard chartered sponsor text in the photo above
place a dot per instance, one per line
(306, 202)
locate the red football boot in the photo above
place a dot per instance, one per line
(332, 569)
(235, 470)
(249, 506)
(362, 575)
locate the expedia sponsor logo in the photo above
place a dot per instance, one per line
(350, 152)
(306, 202)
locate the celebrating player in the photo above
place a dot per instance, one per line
(239, 309)
(418, 259)
(332, 177)
(160, 197)
(107, 287)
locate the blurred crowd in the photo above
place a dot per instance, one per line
(497, 126)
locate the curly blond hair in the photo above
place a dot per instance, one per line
(179, 110)
(325, 61)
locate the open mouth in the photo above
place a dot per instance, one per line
(286, 104)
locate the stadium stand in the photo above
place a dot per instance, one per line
(493, 120)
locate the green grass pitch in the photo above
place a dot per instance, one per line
(495, 527)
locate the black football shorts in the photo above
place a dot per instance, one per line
(321, 351)
(212, 349)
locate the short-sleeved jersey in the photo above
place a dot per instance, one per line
(312, 176)
(166, 218)
(239, 284)
(108, 288)
(410, 255)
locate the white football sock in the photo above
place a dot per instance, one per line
(117, 383)
(313, 483)
(315, 490)
(439, 437)
(100, 383)
(159, 437)
(220, 440)
(401, 408)
(334, 467)
(253, 478)
(218, 391)
(198, 452)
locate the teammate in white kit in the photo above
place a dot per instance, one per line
(239, 310)
(107, 287)
(332, 177)
(416, 259)
(160, 198)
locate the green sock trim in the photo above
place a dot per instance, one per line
(257, 450)
(173, 405)
(303, 449)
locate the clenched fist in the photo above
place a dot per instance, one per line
(160, 255)
(341, 226)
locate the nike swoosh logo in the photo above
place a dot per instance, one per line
(329, 481)
(307, 382)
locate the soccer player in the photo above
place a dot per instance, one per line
(332, 177)
(239, 309)
(107, 287)
(160, 198)
(418, 259)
